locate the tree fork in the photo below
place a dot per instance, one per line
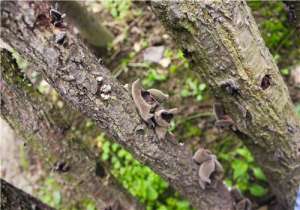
(223, 44)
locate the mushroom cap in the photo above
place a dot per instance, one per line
(206, 169)
(201, 155)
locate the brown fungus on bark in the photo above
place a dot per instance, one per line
(162, 119)
(147, 96)
(266, 81)
(201, 155)
(161, 132)
(223, 121)
(148, 103)
(158, 95)
(230, 86)
(206, 169)
(236, 194)
(145, 109)
(210, 167)
(57, 17)
(244, 204)
(241, 203)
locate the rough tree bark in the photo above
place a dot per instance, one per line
(13, 198)
(72, 70)
(224, 46)
(57, 142)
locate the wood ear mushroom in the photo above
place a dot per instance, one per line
(158, 95)
(223, 121)
(145, 108)
(209, 168)
(241, 203)
(148, 103)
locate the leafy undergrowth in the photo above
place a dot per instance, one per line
(50, 192)
(140, 180)
(241, 169)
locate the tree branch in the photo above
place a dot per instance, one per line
(72, 70)
(224, 46)
(48, 132)
(13, 198)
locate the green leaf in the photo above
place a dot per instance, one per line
(285, 71)
(259, 174)
(185, 93)
(228, 182)
(105, 156)
(162, 207)
(239, 168)
(57, 197)
(151, 193)
(115, 147)
(202, 86)
(90, 207)
(257, 190)
(244, 152)
(199, 97)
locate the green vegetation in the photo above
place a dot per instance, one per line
(241, 169)
(140, 180)
(193, 88)
(50, 193)
(118, 8)
(275, 30)
(153, 76)
(279, 35)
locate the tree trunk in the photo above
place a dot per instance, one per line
(224, 46)
(97, 36)
(48, 132)
(72, 70)
(13, 198)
